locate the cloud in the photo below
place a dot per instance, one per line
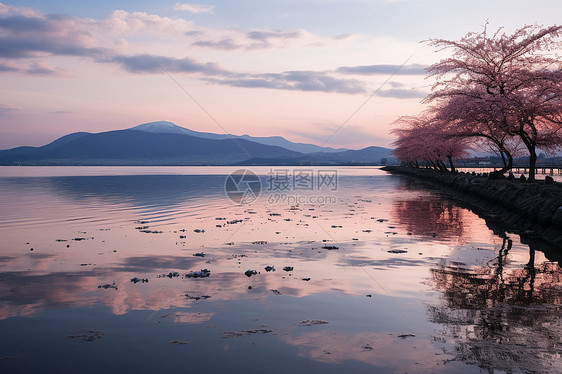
(129, 23)
(400, 93)
(265, 36)
(413, 69)
(6, 66)
(224, 44)
(6, 108)
(10, 9)
(154, 64)
(294, 80)
(263, 39)
(195, 8)
(41, 68)
(32, 36)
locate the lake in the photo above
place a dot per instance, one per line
(281, 269)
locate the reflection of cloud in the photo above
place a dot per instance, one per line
(155, 263)
(25, 294)
(387, 264)
(380, 349)
(192, 318)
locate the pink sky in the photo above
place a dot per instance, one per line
(295, 70)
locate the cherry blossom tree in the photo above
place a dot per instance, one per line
(424, 138)
(512, 83)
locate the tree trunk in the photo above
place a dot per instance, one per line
(532, 164)
(532, 148)
(506, 167)
(453, 170)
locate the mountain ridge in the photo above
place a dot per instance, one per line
(166, 126)
(168, 144)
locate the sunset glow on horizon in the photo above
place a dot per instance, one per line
(334, 73)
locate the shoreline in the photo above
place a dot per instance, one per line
(531, 210)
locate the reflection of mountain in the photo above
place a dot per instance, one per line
(506, 319)
(429, 215)
(138, 190)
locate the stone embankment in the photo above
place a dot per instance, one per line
(530, 209)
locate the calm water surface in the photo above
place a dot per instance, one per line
(382, 276)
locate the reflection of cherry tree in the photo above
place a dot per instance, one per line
(429, 216)
(500, 317)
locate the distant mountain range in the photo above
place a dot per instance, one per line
(169, 127)
(164, 143)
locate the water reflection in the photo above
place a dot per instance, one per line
(430, 216)
(381, 231)
(500, 316)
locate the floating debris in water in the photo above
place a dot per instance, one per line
(151, 231)
(397, 251)
(239, 334)
(179, 342)
(404, 336)
(288, 268)
(269, 268)
(330, 247)
(276, 292)
(259, 242)
(107, 286)
(199, 230)
(204, 273)
(87, 336)
(199, 254)
(305, 279)
(171, 274)
(137, 280)
(337, 226)
(202, 297)
(312, 322)
(249, 273)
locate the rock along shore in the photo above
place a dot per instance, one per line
(529, 209)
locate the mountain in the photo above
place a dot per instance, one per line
(171, 128)
(132, 147)
(164, 143)
(366, 156)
